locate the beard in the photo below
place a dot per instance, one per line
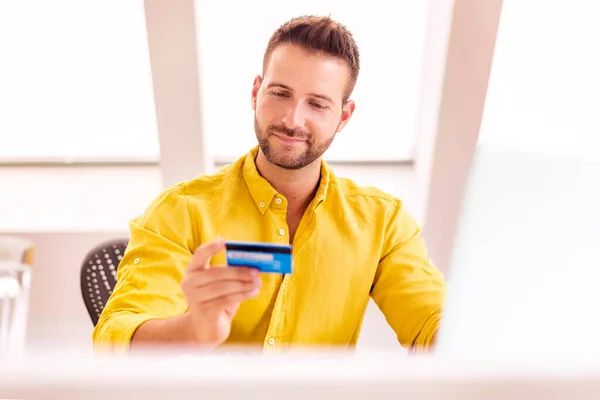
(286, 160)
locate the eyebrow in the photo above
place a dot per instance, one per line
(281, 85)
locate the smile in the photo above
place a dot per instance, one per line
(289, 140)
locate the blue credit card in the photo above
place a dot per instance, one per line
(266, 257)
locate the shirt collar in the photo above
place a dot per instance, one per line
(263, 193)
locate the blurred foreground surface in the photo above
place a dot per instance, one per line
(324, 373)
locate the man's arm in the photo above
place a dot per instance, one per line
(212, 294)
(170, 331)
(149, 277)
(408, 288)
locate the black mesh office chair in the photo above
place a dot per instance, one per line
(99, 275)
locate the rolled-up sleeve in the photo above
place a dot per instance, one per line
(408, 289)
(149, 276)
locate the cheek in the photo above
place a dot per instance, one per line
(324, 125)
(267, 110)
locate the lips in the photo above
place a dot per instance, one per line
(287, 139)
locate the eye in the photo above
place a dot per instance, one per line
(318, 106)
(279, 94)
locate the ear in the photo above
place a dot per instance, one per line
(255, 88)
(347, 111)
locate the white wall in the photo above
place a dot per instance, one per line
(71, 199)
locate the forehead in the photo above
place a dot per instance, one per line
(307, 71)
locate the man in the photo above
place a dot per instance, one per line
(349, 243)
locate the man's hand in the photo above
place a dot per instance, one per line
(213, 294)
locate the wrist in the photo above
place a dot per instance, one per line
(187, 328)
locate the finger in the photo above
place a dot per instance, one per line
(230, 301)
(216, 290)
(195, 280)
(218, 273)
(203, 254)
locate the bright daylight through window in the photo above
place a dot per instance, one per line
(76, 81)
(390, 38)
(544, 88)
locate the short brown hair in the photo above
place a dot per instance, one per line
(322, 35)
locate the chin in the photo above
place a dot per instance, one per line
(283, 159)
(290, 157)
(292, 162)
(290, 165)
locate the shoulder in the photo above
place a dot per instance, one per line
(348, 191)
(374, 212)
(199, 190)
(372, 205)
(210, 185)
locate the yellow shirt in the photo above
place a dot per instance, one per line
(352, 243)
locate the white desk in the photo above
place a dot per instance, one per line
(309, 376)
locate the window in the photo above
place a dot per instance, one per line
(544, 86)
(390, 38)
(76, 81)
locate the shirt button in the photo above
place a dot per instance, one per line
(281, 232)
(136, 261)
(271, 341)
(278, 200)
(262, 204)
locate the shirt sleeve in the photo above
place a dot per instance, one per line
(149, 276)
(408, 289)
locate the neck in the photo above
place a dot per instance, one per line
(298, 186)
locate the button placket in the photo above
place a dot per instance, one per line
(275, 333)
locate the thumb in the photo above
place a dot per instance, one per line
(203, 254)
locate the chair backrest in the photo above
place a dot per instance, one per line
(99, 275)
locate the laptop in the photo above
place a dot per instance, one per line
(524, 278)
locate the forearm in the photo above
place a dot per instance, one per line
(170, 331)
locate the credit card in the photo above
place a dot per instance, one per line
(266, 257)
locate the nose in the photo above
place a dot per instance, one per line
(294, 117)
